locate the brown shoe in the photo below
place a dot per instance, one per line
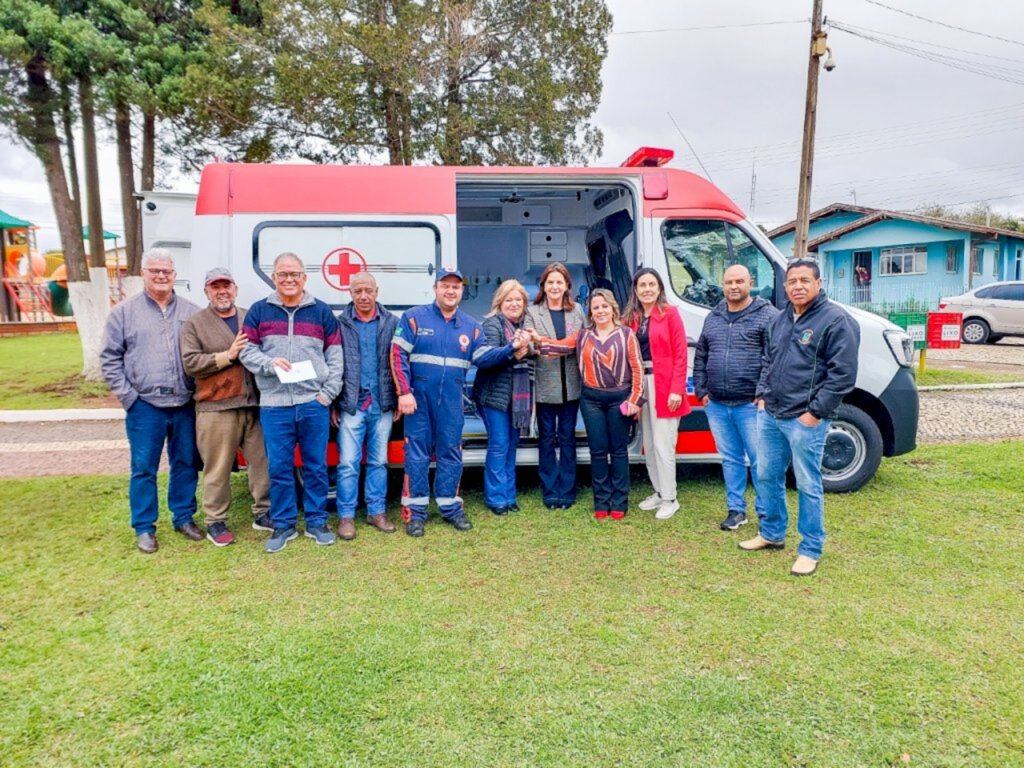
(146, 542)
(191, 531)
(346, 529)
(759, 542)
(804, 566)
(381, 523)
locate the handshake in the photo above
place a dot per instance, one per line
(523, 338)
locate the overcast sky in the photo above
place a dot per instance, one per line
(895, 130)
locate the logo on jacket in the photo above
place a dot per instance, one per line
(463, 342)
(805, 337)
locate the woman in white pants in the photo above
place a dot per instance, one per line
(659, 329)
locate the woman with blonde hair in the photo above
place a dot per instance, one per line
(504, 398)
(555, 315)
(612, 395)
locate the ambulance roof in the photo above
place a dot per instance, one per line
(241, 188)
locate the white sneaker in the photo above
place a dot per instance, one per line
(667, 509)
(651, 503)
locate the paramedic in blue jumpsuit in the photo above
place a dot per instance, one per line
(431, 353)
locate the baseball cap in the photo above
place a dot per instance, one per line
(218, 273)
(444, 272)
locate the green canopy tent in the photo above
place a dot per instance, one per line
(13, 222)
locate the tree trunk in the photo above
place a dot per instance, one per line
(97, 251)
(451, 148)
(126, 167)
(67, 118)
(148, 150)
(90, 314)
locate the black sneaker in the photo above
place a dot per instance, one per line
(460, 522)
(220, 534)
(513, 507)
(499, 511)
(262, 523)
(733, 520)
(414, 528)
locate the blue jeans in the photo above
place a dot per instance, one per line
(735, 431)
(500, 464)
(148, 427)
(779, 440)
(556, 425)
(284, 426)
(354, 430)
(608, 437)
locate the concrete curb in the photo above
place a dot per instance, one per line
(959, 387)
(69, 414)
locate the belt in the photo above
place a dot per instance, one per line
(648, 366)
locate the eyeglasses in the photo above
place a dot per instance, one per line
(160, 272)
(290, 275)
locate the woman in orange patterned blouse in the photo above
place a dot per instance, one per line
(612, 372)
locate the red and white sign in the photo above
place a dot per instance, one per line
(340, 265)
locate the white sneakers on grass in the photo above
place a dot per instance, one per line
(651, 503)
(667, 509)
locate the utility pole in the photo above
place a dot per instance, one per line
(803, 204)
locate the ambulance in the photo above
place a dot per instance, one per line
(402, 223)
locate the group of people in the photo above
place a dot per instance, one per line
(272, 380)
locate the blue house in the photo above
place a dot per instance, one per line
(890, 260)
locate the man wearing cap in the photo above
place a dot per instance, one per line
(141, 363)
(433, 348)
(227, 407)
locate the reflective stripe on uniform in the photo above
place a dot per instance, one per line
(444, 362)
(402, 343)
(447, 501)
(482, 349)
(418, 500)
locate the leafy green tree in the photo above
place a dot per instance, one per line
(446, 81)
(979, 214)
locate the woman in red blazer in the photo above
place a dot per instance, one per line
(659, 329)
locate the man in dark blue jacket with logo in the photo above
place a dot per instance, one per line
(810, 364)
(367, 404)
(726, 369)
(431, 353)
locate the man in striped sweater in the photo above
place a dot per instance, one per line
(289, 330)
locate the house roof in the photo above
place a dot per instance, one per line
(874, 215)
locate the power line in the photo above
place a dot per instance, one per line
(690, 147)
(709, 26)
(839, 23)
(944, 24)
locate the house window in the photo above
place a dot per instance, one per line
(975, 260)
(952, 259)
(995, 263)
(905, 260)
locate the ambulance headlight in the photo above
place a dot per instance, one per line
(901, 346)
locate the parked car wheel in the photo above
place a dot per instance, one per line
(853, 451)
(976, 331)
(993, 338)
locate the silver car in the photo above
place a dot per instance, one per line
(990, 312)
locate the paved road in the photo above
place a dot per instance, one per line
(35, 449)
(1007, 356)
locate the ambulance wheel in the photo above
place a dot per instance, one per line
(976, 331)
(853, 451)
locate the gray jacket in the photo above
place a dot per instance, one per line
(140, 356)
(549, 370)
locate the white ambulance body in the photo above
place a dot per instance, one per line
(402, 223)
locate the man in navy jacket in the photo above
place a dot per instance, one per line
(726, 369)
(810, 364)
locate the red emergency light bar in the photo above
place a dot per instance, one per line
(648, 157)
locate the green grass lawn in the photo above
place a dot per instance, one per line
(43, 371)
(939, 376)
(543, 639)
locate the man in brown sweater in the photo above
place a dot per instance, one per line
(227, 407)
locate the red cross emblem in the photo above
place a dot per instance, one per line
(339, 266)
